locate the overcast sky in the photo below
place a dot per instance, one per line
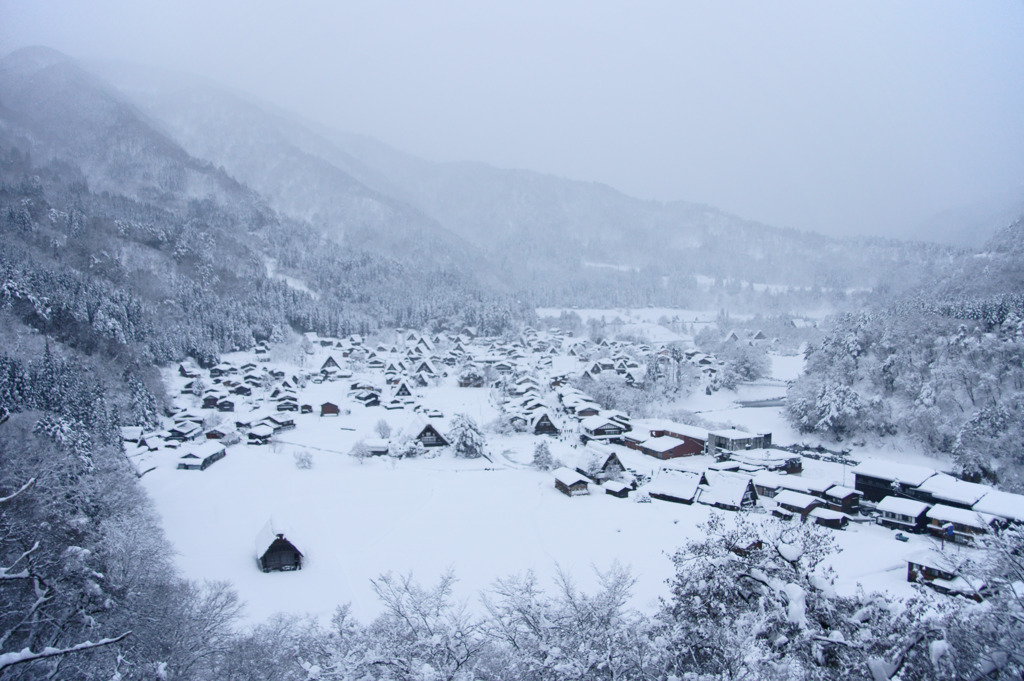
(866, 116)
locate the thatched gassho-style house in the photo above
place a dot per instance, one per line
(274, 552)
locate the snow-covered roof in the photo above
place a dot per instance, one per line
(595, 422)
(906, 473)
(724, 488)
(268, 535)
(947, 488)
(568, 476)
(678, 428)
(678, 484)
(961, 516)
(901, 506)
(779, 481)
(936, 559)
(733, 434)
(262, 430)
(415, 426)
(826, 514)
(762, 457)
(661, 444)
(795, 499)
(840, 492)
(1004, 504)
(208, 448)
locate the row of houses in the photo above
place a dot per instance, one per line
(921, 499)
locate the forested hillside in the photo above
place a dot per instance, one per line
(944, 365)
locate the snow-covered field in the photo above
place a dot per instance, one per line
(484, 519)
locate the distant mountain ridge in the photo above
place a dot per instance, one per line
(170, 141)
(531, 228)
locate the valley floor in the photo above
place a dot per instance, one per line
(483, 519)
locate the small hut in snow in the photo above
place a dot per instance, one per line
(274, 552)
(570, 482)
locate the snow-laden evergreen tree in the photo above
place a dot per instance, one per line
(754, 600)
(542, 458)
(987, 641)
(467, 439)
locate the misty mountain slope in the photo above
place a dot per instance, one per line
(102, 253)
(59, 110)
(271, 154)
(539, 233)
(971, 226)
(602, 225)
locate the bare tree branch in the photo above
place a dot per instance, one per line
(26, 655)
(25, 487)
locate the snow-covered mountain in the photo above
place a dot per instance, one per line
(533, 228)
(298, 172)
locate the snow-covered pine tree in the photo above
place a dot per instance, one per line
(466, 437)
(542, 458)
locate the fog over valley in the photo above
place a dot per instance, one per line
(511, 341)
(857, 119)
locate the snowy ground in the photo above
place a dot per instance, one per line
(483, 519)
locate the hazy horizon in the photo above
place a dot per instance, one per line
(854, 118)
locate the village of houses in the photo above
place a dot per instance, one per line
(302, 450)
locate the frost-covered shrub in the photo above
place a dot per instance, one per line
(407, 449)
(360, 451)
(303, 460)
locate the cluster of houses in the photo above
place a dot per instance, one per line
(920, 499)
(540, 379)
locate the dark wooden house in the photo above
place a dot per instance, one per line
(898, 513)
(275, 553)
(827, 517)
(940, 571)
(543, 425)
(571, 483)
(679, 487)
(843, 499)
(879, 479)
(202, 457)
(617, 489)
(599, 428)
(791, 503)
(329, 409)
(367, 398)
(260, 435)
(612, 467)
(430, 437)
